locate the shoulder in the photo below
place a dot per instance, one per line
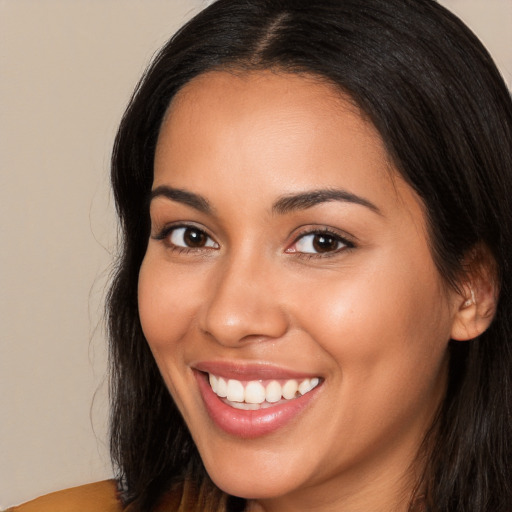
(96, 497)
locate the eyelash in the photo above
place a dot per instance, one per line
(346, 244)
(167, 231)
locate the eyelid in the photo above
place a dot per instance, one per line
(347, 240)
(164, 232)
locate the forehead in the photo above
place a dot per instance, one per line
(279, 133)
(233, 111)
(264, 95)
(291, 88)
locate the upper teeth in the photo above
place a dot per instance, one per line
(255, 392)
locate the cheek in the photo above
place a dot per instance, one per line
(165, 307)
(387, 340)
(382, 327)
(166, 310)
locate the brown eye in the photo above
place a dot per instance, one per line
(319, 243)
(190, 237)
(194, 238)
(325, 243)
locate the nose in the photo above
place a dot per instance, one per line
(243, 304)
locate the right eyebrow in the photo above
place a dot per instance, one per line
(308, 199)
(182, 196)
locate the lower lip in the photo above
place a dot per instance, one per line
(250, 424)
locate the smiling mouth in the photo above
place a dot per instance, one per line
(259, 394)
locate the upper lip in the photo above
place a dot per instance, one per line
(249, 370)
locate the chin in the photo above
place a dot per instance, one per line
(249, 486)
(255, 481)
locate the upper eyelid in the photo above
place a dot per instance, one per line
(165, 229)
(320, 229)
(348, 245)
(349, 240)
(162, 235)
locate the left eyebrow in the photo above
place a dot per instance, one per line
(182, 196)
(304, 200)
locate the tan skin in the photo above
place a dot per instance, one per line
(342, 289)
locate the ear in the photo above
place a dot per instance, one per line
(477, 296)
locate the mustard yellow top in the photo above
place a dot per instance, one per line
(103, 497)
(97, 497)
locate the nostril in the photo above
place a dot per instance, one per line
(243, 324)
(239, 306)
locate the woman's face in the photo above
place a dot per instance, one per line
(289, 265)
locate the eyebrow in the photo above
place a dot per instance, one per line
(182, 196)
(285, 204)
(305, 200)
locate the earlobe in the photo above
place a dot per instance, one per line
(475, 304)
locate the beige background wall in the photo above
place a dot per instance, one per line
(67, 68)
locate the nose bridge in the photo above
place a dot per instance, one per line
(242, 304)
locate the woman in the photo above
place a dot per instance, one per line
(316, 191)
(311, 310)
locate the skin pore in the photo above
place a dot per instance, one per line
(283, 242)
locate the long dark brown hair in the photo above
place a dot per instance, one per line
(445, 115)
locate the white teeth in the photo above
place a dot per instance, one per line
(290, 389)
(213, 382)
(254, 393)
(246, 407)
(222, 388)
(305, 386)
(273, 392)
(235, 391)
